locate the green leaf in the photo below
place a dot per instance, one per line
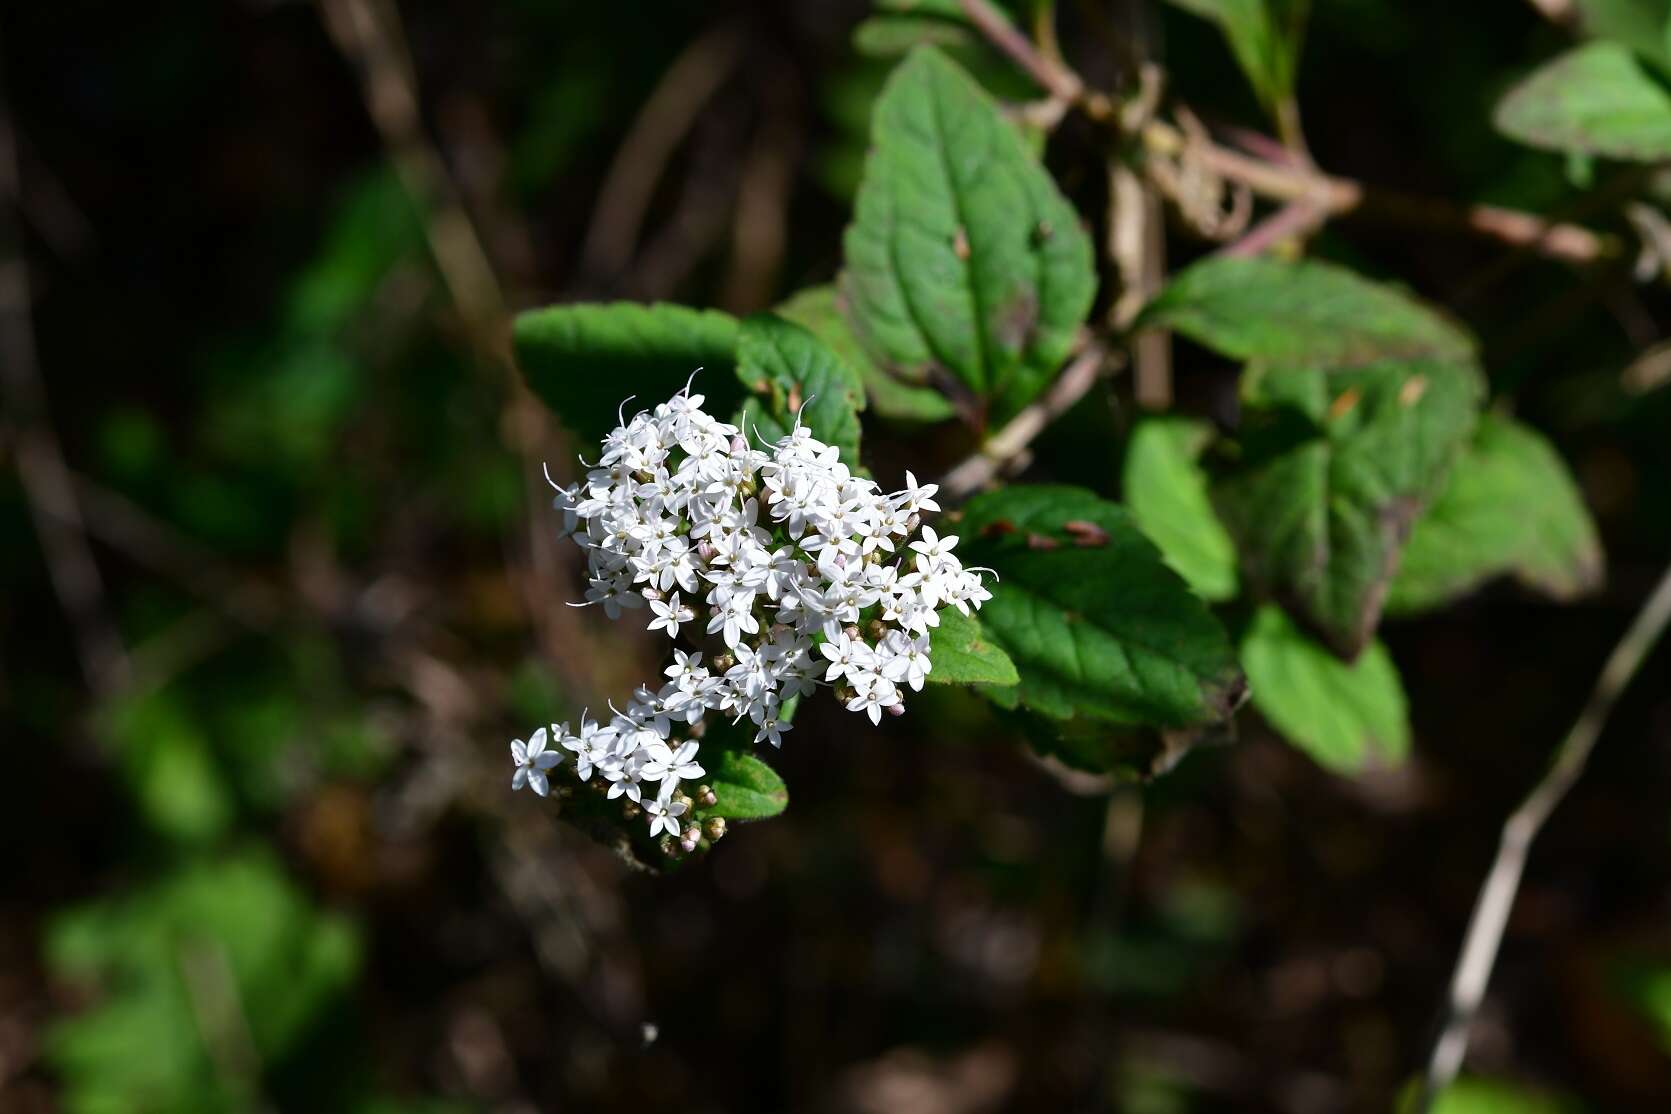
(1596, 99)
(963, 264)
(1302, 313)
(1343, 715)
(887, 35)
(161, 963)
(1645, 984)
(1357, 400)
(1331, 468)
(1642, 25)
(746, 788)
(1473, 1095)
(818, 308)
(1097, 625)
(1166, 492)
(1265, 37)
(788, 370)
(583, 360)
(1509, 507)
(962, 654)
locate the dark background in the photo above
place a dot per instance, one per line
(272, 862)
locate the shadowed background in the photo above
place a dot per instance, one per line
(283, 585)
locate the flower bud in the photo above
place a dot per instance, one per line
(724, 662)
(630, 809)
(878, 630)
(649, 593)
(739, 444)
(693, 835)
(706, 797)
(683, 799)
(851, 630)
(715, 828)
(705, 550)
(896, 709)
(912, 523)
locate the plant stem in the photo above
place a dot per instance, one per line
(980, 468)
(1496, 897)
(1338, 196)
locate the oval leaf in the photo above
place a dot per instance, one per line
(1344, 716)
(790, 372)
(745, 787)
(964, 265)
(1166, 492)
(962, 654)
(816, 308)
(1095, 622)
(1596, 99)
(583, 359)
(1509, 506)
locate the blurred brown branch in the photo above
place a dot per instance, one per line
(40, 458)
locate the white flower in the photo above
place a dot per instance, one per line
(793, 556)
(679, 765)
(664, 816)
(532, 760)
(670, 615)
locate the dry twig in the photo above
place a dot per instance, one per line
(1496, 897)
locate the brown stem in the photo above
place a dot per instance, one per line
(982, 467)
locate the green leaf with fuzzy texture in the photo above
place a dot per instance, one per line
(1356, 401)
(1097, 626)
(1596, 99)
(818, 308)
(746, 788)
(789, 371)
(1331, 468)
(1510, 506)
(1344, 716)
(964, 265)
(961, 653)
(582, 360)
(1309, 312)
(1166, 492)
(1265, 37)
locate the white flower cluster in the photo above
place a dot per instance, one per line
(806, 572)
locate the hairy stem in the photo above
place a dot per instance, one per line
(1496, 897)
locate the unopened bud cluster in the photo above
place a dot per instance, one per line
(807, 573)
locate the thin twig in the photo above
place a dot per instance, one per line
(1339, 196)
(982, 467)
(689, 83)
(373, 45)
(1496, 897)
(40, 458)
(1296, 219)
(1344, 196)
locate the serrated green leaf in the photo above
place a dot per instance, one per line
(1097, 626)
(962, 654)
(1509, 507)
(1265, 37)
(582, 360)
(818, 308)
(1308, 312)
(1357, 400)
(1595, 99)
(1344, 716)
(1331, 469)
(746, 788)
(1166, 492)
(787, 370)
(963, 262)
